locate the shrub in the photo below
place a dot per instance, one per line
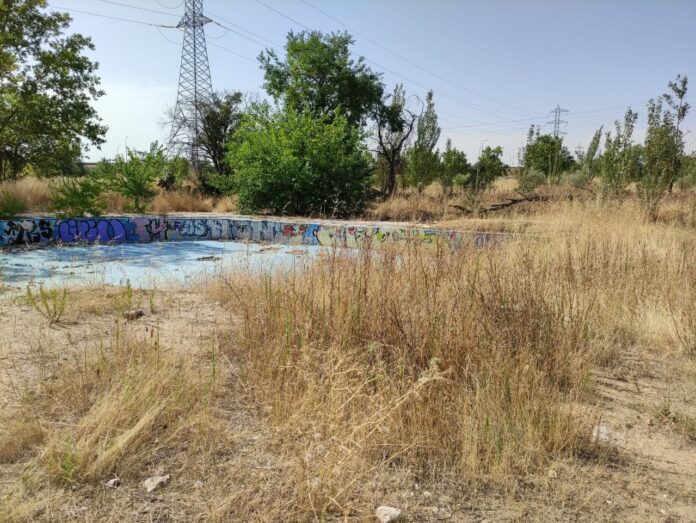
(298, 163)
(686, 182)
(10, 206)
(576, 179)
(75, 197)
(530, 180)
(134, 176)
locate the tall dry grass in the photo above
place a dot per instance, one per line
(181, 201)
(35, 193)
(472, 364)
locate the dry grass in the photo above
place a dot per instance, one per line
(181, 201)
(115, 202)
(33, 192)
(363, 373)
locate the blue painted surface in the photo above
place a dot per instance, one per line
(145, 265)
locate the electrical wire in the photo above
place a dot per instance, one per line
(112, 17)
(415, 64)
(121, 4)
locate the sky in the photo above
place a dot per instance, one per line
(495, 66)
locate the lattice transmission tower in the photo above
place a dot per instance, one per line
(557, 112)
(195, 85)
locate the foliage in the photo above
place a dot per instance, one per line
(220, 118)
(619, 164)
(546, 153)
(77, 197)
(297, 163)
(588, 161)
(10, 206)
(319, 75)
(530, 180)
(49, 304)
(395, 124)
(47, 86)
(578, 179)
(664, 147)
(423, 161)
(489, 167)
(134, 176)
(455, 169)
(175, 171)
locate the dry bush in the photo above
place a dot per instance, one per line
(33, 192)
(226, 204)
(181, 201)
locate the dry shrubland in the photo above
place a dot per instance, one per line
(34, 193)
(181, 201)
(368, 371)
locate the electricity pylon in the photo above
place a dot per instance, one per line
(557, 121)
(195, 86)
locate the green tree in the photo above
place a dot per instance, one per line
(220, 118)
(134, 175)
(663, 153)
(547, 154)
(318, 75)
(619, 165)
(455, 166)
(423, 161)
(77, 197)
(589, 160)
(488, 167)
(395, 124)
(47, 87)
(296, 163)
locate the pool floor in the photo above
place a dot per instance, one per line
(145, 265)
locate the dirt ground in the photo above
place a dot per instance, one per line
(646, 469)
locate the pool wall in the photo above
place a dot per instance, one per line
(144, 229)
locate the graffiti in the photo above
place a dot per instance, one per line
(26, 232)
(144, 229)
(93, 231)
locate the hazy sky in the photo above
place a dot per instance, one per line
(496, 66)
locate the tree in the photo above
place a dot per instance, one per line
(47, 87)
(546, 153)
(220, 118)
(319, 75)
(663, 153)
(293, 162)
(675, 100)
(135, 174)
(455, 166)
(489, 167)
(395, 124)
(619, 164)
(423, 160)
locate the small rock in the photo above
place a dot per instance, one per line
(427, 494)
(552, 474)
(387, 514)
(113, 482)
(155, 482)
(446, 500)
(197, 484)
(134, 314)
(444, 513)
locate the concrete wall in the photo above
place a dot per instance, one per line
(142, 229)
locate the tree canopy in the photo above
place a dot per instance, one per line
(47, 87)
(319, 75)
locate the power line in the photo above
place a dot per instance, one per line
(121, 4)
(282, 14)
(415, 44)
(415, 64)
(111, 17)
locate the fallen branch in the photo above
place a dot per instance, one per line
(503, 205)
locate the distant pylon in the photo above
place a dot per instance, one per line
(195, 85)
(557, 120)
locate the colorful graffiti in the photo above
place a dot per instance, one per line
(143, 229)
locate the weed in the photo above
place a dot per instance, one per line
(49, 303)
